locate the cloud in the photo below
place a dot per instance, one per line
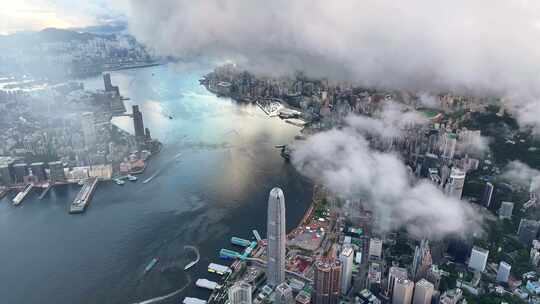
(481, 47)
(522, 174)
(473, 143)
(343, 161)
(389, 122)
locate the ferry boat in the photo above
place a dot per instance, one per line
(119, 182)
(132, 178)
(151, 265)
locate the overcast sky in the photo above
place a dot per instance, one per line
(26, 15)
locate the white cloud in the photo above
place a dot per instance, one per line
(481, 46)
(522, 174)
(343, 161)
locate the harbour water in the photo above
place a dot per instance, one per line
(210, 182)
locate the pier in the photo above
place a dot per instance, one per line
(83, 197)
(21, 195)
(42, 195)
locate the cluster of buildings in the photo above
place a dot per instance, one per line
(56, 53)
(63, 133)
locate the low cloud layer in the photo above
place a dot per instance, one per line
(388, 123)
(343, 161)
(483, 47)
(520, 173)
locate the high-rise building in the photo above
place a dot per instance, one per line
(276, 238)
(107, 82)
(56, 172)
(89, 129)
(422, 260)
(240, 293)
(504, 272)
(535, 252)
(449, 145)
(20, 170)
(6, 173)
(138, 124)
(283, 294)
(528, 230)
(506, 210)
(452, 296)
(347, 260)
(375, 249)
(38, 171)
(478, 259)
(487, 195)
(403, 291)
(394, 274)
(434, 276)
(454, 187)
(423, 292)
(327, 281)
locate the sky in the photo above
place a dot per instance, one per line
(31, 15)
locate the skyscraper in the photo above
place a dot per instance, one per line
(327, 281)
(423, 292)
(107, 82)
(504, 272)
(403, 291)
(240, 293)
(375, 249)
(89, 129)
(454, 187)
(347, 260)
(138, 124)
(422, 260)
(276, 237)
(487, 195)
(478, 259)
(283, 294)
(394, 274)
(506, 210)
(528, 230)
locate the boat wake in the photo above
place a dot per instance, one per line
(167, 296)
(192, 263)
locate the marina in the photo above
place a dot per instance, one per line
(83, 197)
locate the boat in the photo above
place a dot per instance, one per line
(81, 182)
(170, 117)
(132, 178)
(151, 265)
(119, 182)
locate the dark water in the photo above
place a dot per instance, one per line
(216, 188)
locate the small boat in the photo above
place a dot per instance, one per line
(119, 182)
(170, 117)
(132, 178)
(81, 183)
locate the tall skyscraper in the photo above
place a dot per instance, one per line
(394, 274)
(240, 293)
(423, 292)
(454, 187)
(89, 129)
(487, 195)
(375, 249)
(327, 281)
(138, 124)
(403, 291)
(283, 294)
(448, 146)
(528, 230)
(107, 82)
(276, 238)
(422, 260)
(20, 170)
(478, 259)
(38, 171)
(504, 272)
(347, 260)
(506, 210)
